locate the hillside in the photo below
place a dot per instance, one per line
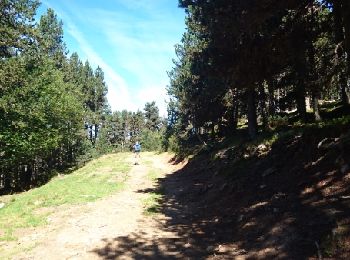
(284, 196)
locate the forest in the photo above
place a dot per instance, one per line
(259, 100)
(252, 161)
(257, 64)
(240, 65)
(54, 112)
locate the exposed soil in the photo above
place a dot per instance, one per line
(83, 231)
(288, 201)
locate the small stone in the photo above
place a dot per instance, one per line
(2, 204)
(222, 249)
(263, 186)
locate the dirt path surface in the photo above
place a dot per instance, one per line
(114, 227)
(202, 214)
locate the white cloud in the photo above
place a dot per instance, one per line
(144, 53)
(140, 38)
(118, 90)
(118, 93)
(157, 94)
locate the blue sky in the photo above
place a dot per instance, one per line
(131, 40)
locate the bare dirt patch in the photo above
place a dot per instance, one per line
(79, 232)
(249, 213)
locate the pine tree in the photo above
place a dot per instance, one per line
(152, 119)
(17, 26)
(51, 37)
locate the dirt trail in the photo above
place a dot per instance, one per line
(102, 229)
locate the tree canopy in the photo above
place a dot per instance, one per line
(253, 60)
(54, 111)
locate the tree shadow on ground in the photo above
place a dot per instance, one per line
(291, 204)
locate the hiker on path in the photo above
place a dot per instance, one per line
(137, 150)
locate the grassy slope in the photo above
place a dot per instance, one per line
(97, 179)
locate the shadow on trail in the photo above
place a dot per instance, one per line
(137, 246)
(296, 211)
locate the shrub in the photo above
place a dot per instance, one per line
(277, 121)
(151, 140)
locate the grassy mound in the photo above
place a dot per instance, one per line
(99, 178)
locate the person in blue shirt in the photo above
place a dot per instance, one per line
(137, 150)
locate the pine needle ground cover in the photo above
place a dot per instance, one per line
(97, 179)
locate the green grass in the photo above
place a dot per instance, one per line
(97, 179)
(153, 174)
(152, 203)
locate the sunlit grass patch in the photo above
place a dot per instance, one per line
(147, 162)
(152, 203)
(154, 174)
(99, 178)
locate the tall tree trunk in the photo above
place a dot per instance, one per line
(91, 135)
(316, 108)
(8, 177)
(300, 91)
(69, 144)
(262, 101)
(300, 66)
(26, 172)
(252, 117)
(233, 120)
(300, 100)
(235, 115)
(339, 38)
(315, 88)
(96, 131)
(344, 91)
(300, 88)
(272, 100)
(346, 22)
